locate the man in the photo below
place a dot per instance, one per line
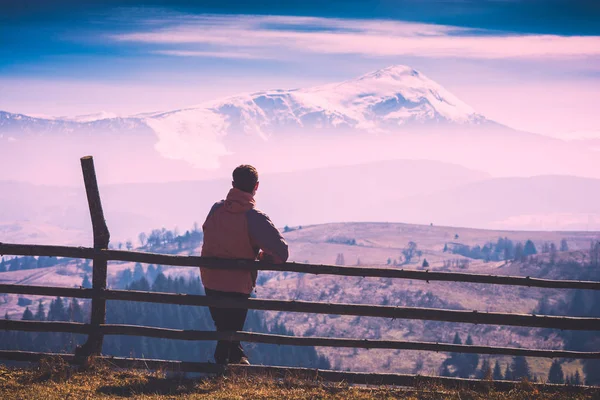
(235, 229)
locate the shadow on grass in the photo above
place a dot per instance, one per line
(153, 385)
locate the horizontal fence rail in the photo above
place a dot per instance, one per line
(79, 293)
(194, 261)
(310, 374)
(394, 312)
(178, 334)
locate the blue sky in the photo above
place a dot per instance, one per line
(534, 65)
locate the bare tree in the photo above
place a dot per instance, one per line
(546, 247)
(552, 253)
(142, 237)
(410, 252)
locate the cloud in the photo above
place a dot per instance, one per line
(248, 37)
(210, 54)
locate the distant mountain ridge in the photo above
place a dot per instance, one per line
(16, 124)
(379, 101)
(392, 113)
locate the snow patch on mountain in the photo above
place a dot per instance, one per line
(92, 117)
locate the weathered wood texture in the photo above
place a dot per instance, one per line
(178, 334)
(79, 293)
(315, 375)
(99, 273)
(431, 314)
(375, 272)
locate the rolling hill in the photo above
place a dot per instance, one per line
(374, 244)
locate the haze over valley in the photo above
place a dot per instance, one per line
(391, 145)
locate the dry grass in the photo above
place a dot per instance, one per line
(53, 379)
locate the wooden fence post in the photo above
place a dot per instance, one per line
(93, 345)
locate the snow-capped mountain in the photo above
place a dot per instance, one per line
(390, 114)
(389, 100)
(383, 100)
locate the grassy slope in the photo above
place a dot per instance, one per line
(379, 241)
(57, 381)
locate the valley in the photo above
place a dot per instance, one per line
(384, 244)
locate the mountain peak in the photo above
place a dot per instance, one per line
(393, 71)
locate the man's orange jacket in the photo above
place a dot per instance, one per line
(235, 229)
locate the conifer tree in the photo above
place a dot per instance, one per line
(497, 374)
(455, 357)
(568, 379)
(86, 282)
(57, 311)
(556, 375)
(27, 315)
(507, 373)
(40, 315)
(471, 360)
(138, 272)
(577, 379)
(151, 273)
(519, 252)
(125, 278)
(486, 371)
(529, 249)
(520, 368)
(457, 339)
(75, 311)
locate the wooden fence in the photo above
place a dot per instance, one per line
(99, 294)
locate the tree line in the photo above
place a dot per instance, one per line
(28, 262)
(465, 365)
(579, 303)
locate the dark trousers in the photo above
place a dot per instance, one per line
(228, 319)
